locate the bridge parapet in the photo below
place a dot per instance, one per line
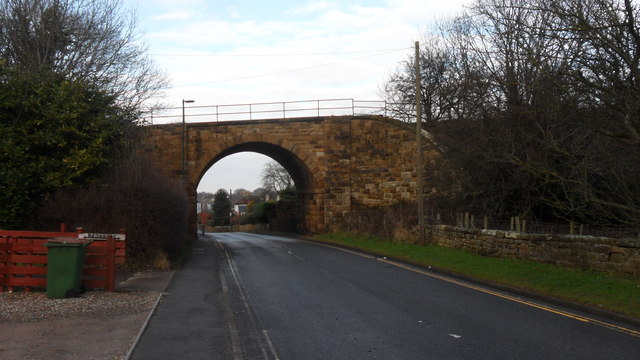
(270, 110)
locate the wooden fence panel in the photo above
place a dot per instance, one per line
(23, 260)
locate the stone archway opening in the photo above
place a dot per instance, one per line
(291, 212)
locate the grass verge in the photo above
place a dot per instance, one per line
(595, 289)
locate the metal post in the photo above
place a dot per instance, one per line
(419, 147)
(184, 141)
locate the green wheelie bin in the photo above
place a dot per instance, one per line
(65, 260)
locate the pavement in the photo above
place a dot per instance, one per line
(153, 281)
(191, 321)
(146, 280)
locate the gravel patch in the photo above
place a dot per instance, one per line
(36, 306)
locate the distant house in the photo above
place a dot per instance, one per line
(204, 207)
(241, 207)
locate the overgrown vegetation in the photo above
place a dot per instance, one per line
(599, 290)
(259, 212)
(398, 222)
(55, 133)
(74, 79)
(134, 195)
(535, 106)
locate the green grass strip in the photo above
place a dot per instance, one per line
(595, 289)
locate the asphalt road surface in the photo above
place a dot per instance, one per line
(247, 296)
(298, 300)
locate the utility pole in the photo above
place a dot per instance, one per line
(230, 211)
(419, 147)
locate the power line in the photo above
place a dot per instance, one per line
(276, 55)
(287, 71)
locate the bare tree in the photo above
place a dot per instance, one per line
(90, 40)
(446, 78)
(605, 38)
(275, 177)
(537, 105)
(262, 194)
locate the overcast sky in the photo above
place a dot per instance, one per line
(252, 51)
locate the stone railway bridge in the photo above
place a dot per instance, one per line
(340, 164)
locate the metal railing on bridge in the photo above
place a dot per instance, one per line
(270, 110)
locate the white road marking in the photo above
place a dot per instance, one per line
(254, 317)
(270, 344)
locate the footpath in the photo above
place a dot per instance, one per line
(190, 321)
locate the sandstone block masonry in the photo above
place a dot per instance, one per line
(598, 253)
(338, 164)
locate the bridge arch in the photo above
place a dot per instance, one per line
(296, 167)
(298, 170)
(340, 164)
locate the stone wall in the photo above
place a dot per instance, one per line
(238, 228)
(598, 253)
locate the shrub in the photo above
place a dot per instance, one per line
(135, 196)
(248, 218)
(398, 222)
(262, 211)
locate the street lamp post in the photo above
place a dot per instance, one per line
(184, 140)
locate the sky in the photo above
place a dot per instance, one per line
(255, 51)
